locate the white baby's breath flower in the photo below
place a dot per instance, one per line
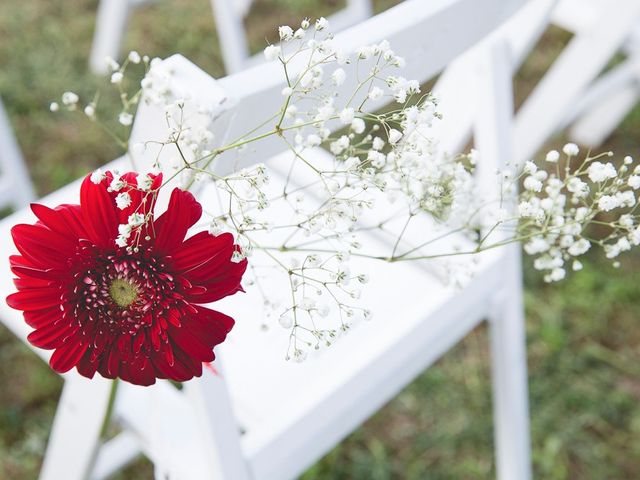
(375, 93)
(571, 149)
(285, 32)
(134, 57)
(90, 111)
(144, 182)
(358, 125)
(322, 24)
(97, 176)
(347, 115)
(70, 99)
(272, 52)
(377, 144)
(123, 200)
(338, 76)
(553, 156)
(530, 168)
(608, 202)
(313, 140)
(54, 107)
(135, 219)
(116, 78)
(111, 64)
(394, 136)
(116, 184)
(599, 172)
(125, 118)
(532, 184)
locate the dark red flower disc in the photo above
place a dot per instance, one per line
(112, 289)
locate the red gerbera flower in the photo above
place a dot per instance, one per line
(112, 289)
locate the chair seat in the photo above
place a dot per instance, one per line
(292, 413)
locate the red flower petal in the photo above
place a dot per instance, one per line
(99, 212)
(171, 227)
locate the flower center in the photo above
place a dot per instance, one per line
(123, 293)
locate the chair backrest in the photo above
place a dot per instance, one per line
(422, 33)
(229, 17)
(16, 190)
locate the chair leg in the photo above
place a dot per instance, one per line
(111, 22)
(509, 372)
(75, 436)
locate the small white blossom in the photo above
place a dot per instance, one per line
(378, 143)
(579, 247)
(599, 172)
(347, 115)
(358, 125)
(135, 219)
(54, 107)
(134, 57)
(285, 32)
(272, 52)
(530, 168)
(608, 203)
(532, 184)
(144, 182)
(123, 200)
(571, 149)
(97, 176)
(553, 156)
(322, 23)
(70, 99)
(338, 76)
(116, 78)
(125, 118)
(394, 136)
(375, 93)
(90, 111)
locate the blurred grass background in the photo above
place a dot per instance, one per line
(583, 338)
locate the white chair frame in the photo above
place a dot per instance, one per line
(201, 438)
(569, 89)
(16, 189)
(113, 16)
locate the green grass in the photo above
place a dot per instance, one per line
(583, 340)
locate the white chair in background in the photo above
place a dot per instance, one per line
(263, 418)
(614, 94)
(229, 15)
(16, 189)
(571, 90)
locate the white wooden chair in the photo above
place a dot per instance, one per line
(614, 93)
(570, 90)
(262, 418)
(16, 190)
(113, 15)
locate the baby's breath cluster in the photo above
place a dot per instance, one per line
(571, 207)
(352, 170)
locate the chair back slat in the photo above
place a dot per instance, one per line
(428, 35)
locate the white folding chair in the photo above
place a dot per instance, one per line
(612, 95)
(16, 190)
(569, 88)
(113, 15)
(262, 418)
